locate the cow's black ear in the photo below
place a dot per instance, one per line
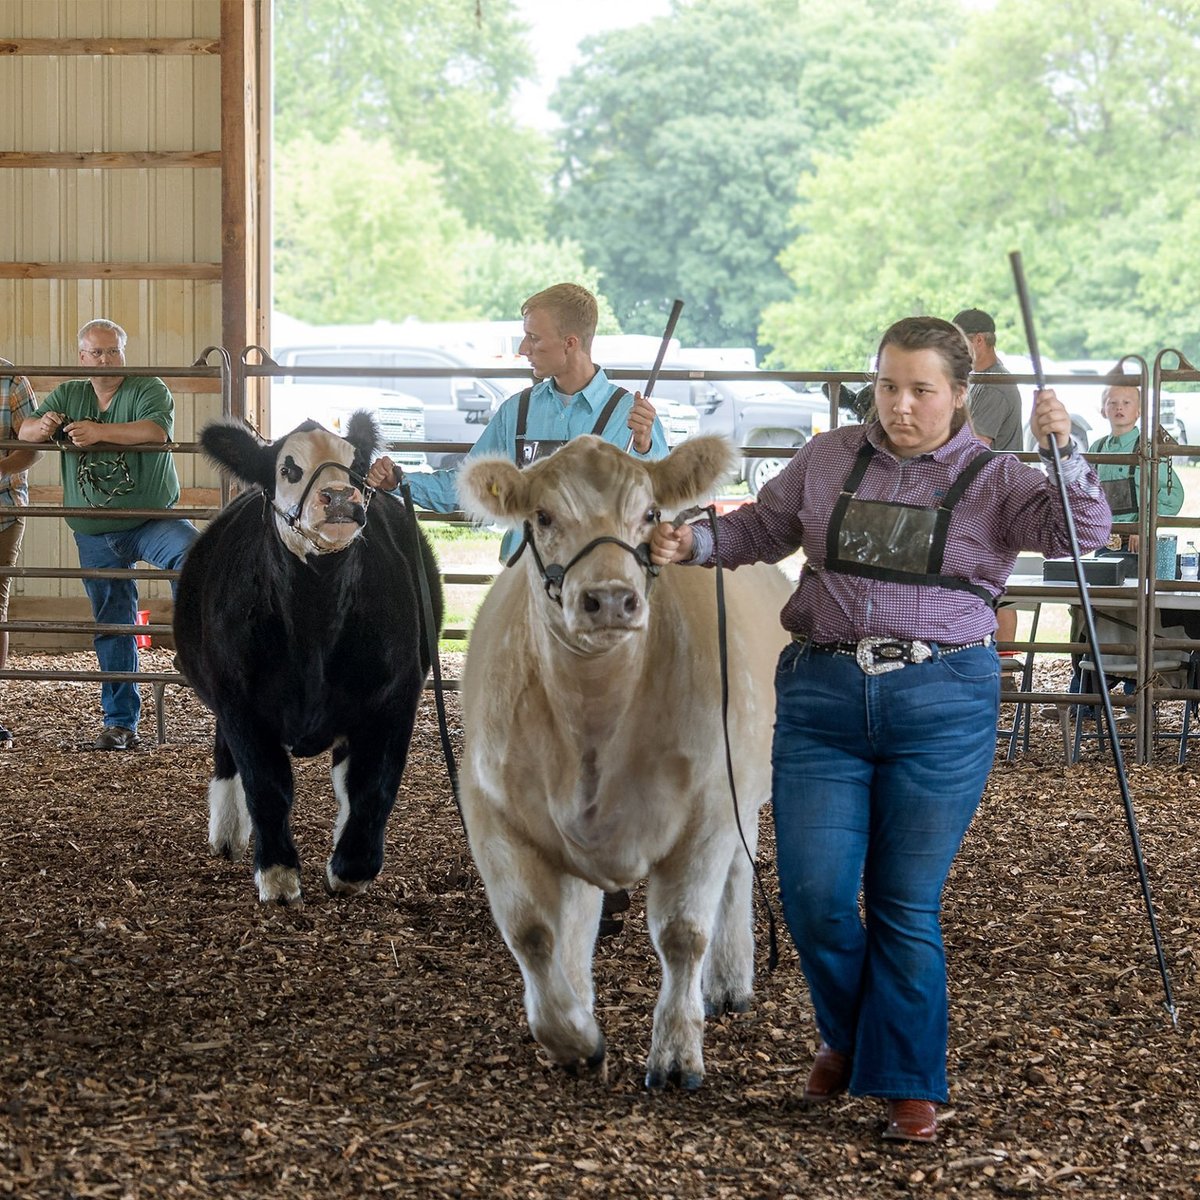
(234, 447)
(362, 432)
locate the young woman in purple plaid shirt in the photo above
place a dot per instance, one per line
(887, 698)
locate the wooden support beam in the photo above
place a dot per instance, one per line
(58, 47)
(239, 145)
(109, 270)
(67, 160)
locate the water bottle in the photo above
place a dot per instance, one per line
(1189, 562)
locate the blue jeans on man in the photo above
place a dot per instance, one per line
(875, 780)
(162, 544)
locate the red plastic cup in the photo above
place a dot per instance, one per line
(142, 640)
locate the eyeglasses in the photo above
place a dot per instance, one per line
(105, 352)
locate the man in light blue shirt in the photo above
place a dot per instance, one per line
(570, 396)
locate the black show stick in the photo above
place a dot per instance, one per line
(668, 333)
(1094, 643)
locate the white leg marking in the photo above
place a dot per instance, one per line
(338, 776)
(681, 910)
(228, 818)
(281, 884)
(344, 887)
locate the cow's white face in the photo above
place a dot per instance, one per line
(318, 506)
(590, 509)
(602, 585)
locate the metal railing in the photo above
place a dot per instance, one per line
(234, 402)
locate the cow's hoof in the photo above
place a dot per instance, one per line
(726, 1004)
(280, 885)
(336, 886)
(657, 1078)
(596, 1058)
(596, 1063)
(231, 851)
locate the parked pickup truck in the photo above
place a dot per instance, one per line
(456, 407)
(750, 412)
(401, 417)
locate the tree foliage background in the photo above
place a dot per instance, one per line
(799, 172)
(405, 186)
(1067, 130)
(685, 140)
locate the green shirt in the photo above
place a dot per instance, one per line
(1170, 488)
(114, 478)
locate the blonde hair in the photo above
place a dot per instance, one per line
(573, 309)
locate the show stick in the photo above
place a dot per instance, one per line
(668, 333)
(1085, 604)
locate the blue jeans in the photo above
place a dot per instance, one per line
(875, 780)
(114, 601)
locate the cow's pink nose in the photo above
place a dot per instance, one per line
(343, 504)
(616, 605)
(340, 495)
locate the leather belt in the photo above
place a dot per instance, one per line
(878, 655)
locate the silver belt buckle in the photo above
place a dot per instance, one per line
(864, 654)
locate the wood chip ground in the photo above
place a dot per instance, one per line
(164, 1035)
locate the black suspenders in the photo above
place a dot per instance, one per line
(933, 576)
(598, 428)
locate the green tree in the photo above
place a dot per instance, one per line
(430, 78)
(1067, 129)
(362, 234)
(376, 238)
(685, 137)
(502, 274)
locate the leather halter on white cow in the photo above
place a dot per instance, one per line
(594, 750)
(298, 623)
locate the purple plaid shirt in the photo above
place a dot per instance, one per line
(1010, 506)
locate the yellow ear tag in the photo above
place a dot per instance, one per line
(495, 490)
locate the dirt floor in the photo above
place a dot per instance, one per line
(164, 1035)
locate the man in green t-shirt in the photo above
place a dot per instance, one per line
(98, 418)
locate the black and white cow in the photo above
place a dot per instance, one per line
(298, 622)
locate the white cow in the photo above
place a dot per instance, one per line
(595, 756)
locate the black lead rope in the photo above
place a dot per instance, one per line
(429, 623)
(723, 651)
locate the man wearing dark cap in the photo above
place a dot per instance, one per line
(995, 408)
